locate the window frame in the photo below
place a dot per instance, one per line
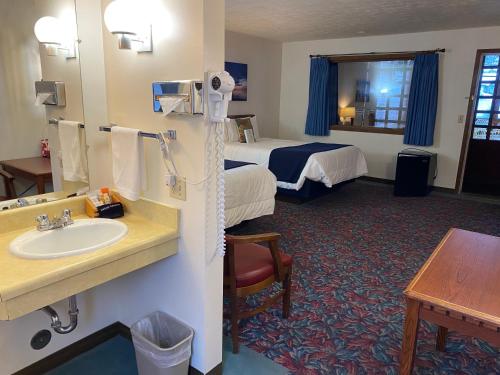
(374, 57)
(468, 128)
(495, 99)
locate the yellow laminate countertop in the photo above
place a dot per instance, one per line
(29, 284)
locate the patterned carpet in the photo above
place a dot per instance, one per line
(354, 252)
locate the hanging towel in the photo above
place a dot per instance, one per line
(73, 151)
(129, 173)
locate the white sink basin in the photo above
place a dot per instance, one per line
(81, 237)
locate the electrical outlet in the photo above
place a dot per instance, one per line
(178, 191)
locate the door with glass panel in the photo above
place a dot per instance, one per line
(482, 164)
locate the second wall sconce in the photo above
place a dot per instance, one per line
(127, 20)
(49, 31)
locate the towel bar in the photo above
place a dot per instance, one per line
(169, 134)
(54, 121)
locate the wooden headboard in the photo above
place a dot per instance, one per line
(240, 116)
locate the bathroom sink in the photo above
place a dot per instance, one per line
(83, 236)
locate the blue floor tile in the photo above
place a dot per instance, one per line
(248, 362)
(113, 357)
(117, 357)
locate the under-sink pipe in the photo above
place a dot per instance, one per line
(56, 322)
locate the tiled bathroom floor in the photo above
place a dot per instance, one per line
(116, 357)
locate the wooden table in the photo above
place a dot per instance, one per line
(458, 288)
(36, 169)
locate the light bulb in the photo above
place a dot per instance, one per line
(130, 21)
(48, 30)
(121, 16)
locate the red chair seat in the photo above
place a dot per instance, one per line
(254, 263)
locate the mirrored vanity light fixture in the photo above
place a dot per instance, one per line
(128, 20)
(50, 32)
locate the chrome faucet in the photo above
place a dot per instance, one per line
(44, 223)
(21, 202)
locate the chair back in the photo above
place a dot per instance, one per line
(8, 182)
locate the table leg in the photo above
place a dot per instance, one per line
(40, 185)
(441, 338)
(410, 332)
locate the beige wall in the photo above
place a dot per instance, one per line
(59, 68)
(22, 62)
(380, 149)
(188, 285)
(264, 75)
(22, 124)
(191, 44)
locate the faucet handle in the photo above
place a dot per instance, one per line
(43, 221)
(42, 218)
(22, 202)
(66, 217)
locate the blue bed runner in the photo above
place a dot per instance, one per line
(231, 164)
(287, 163)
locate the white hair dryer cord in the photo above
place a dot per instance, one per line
(220, 243)
(219, 201)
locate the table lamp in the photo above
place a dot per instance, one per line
(347, 115)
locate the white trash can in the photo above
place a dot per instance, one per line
(162, 345)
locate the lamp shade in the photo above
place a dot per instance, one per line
(122, 17)
(48, 30)
(348, 112)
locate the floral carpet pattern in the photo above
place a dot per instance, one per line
(354, 253)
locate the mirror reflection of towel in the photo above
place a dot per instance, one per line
(73, 151)
(129, 172)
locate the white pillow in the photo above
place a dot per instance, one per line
(255, 127)
(231, 133)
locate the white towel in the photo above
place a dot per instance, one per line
(129, 173)
(73, 151)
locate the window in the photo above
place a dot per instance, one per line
(486, 116)
(373, 92)
(393, 79)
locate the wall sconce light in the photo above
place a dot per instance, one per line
(49, 31)
(127, 20)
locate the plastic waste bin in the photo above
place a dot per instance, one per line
(162, 345)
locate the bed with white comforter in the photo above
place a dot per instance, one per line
(329, 167)
(249, 193)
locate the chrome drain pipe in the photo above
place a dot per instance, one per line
(56, 322)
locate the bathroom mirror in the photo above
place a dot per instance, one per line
(33, 165)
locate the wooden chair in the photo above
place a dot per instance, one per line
(8, 181)
(248, 269)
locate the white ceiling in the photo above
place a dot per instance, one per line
(292, 20)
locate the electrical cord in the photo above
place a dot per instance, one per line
(166, 155)
(220, 190)
(25, 191)
(220, 243)
(209, 149)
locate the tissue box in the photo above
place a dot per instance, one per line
(50, 93)
(190, 91)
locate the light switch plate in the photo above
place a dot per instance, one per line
(178, 191)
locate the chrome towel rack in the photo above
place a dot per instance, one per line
(169, 134)
(55, 121)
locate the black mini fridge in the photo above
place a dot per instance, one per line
(415, 173)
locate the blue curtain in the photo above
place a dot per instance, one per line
(422, 102)
(333, 94)
(323, 97)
